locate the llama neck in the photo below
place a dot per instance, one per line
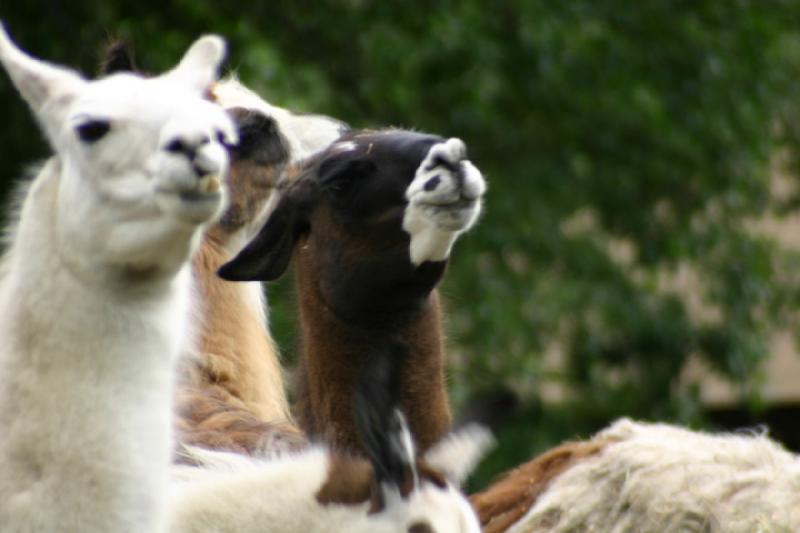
(335, 351)
(239, 358)
(86, 373)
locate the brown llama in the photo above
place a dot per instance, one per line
(370, 223)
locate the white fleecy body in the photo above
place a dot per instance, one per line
(85, 387)
(243, 495)
(94, 291)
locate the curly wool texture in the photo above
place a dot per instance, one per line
(662, 478)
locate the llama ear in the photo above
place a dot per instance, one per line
(40, 83)
(199, 65)
(266, 257)
(457, 454)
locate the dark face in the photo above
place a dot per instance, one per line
(257, 161)
(364, 176)
(344, 217)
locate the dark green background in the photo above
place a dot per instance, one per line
(601, 125)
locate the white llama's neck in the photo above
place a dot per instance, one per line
(86, 378)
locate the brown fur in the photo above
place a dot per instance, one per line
(214, 422)
(516, 491)
(332, 360)
(351, 481)
(238, 357)
(232, 394)
(339, 222)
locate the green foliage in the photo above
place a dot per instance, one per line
(625, 144)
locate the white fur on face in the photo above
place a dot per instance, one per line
(305, 134)
(444, 201)
(156, 165)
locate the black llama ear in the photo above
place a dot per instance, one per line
(381, 425)
(338, 174)
(118, 56)
(266, 257)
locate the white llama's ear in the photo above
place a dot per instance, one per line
(199, 65)
(457, 454)
(39, 82)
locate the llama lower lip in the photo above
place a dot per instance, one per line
(198, 196)
(461, 203)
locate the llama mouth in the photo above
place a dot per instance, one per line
(461, 203)
(199, 196)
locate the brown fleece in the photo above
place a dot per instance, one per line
(332, 360)
(516, 491)
(231, 392)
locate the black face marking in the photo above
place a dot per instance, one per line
(372, 178)
(432, 183)
(93, 130)
(260, 140)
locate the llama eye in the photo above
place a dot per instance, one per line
(93, 131)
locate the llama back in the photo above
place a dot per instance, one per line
(649, 478)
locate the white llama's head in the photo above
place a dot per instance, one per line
(129, 148)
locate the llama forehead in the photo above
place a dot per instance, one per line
(127, 96)
(306, 134)
(393, 145)
(394, 154)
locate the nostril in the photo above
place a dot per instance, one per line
(432, 183)
(200, 170)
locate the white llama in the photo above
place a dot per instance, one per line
(94, 290)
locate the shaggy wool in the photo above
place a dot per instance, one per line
(662, 478)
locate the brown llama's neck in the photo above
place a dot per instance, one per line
(335, 351)
(238, 360)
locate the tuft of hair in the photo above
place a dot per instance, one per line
(381, 426)
(460, 451)
(656, 478)
(117, 56)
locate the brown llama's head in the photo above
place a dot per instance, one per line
(372, 220)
